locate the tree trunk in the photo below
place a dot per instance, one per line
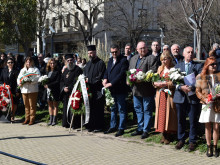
(199, 43)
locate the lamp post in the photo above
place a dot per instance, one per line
(52, 35)
(195, 27)
(43, 40)
(161, 38)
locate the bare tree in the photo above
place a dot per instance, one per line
(198, 11)
(82, 16)
(174, 23)
(128, 19)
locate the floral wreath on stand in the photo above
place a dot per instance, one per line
(6, 100)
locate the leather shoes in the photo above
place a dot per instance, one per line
(119, 133)
(144, 135)
(97, 130)
(137, 133)
(179, 145)
(110, 130)
(192, 147)
(25, 122)
(31, 123)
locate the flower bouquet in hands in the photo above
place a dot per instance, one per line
(108, 98)
(176, 76)
(212, 96)
(151, 77)
(135, 76)
(28, 77)
(43, 80)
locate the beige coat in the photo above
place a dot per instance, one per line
(171, 113)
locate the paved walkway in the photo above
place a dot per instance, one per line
(54, 145)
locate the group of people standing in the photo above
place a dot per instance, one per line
(171, 110)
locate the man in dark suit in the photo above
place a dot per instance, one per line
(143, 92)
(68, 79)
(177, 57)
(115, 80)
(94, 72)
(186, 103)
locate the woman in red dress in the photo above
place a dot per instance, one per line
(165, 116)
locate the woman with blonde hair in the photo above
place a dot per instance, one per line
(205, 85)
(53, 85)
(28, 82)
(166, 116)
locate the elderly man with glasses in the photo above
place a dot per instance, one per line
(68, 79)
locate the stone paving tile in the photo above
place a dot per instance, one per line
(54, 145)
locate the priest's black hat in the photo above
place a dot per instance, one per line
(91, 48)
(67, 56)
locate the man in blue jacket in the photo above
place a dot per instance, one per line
(115, 80)
(186, 103)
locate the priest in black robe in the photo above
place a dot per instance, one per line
(94, 72)
(68, 79)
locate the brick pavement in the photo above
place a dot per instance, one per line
(54, 145)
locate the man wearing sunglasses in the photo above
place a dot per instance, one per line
(115, 80)
(68, 79)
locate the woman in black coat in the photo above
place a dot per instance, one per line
(54, 86)
(9, 77)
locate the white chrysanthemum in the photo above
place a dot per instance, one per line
(140, 75)
(132, 71)
(172, 70)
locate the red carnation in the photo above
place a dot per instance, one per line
(210, 97)
(1, 98)
(4, 104)
(6, 95)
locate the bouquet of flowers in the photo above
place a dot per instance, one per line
(6, 99)
(28, 77)
(151, 77)
(212, 96)
(43, 80)
(135, 76)
(176, 76)
(108, 98)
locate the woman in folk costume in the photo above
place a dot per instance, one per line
(205, 89)
(166, 116)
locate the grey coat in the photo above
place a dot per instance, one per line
(144, 89)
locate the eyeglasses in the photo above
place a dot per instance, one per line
(70, 60)
(10, 62)
(213, 64)
(114, 52)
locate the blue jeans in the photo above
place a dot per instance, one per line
(143, 107)
(120, 106)
(193, 111)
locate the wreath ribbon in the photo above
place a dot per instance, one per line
(81, 80)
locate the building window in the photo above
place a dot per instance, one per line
(60, 23)
(67, 1)
(76, 19)
(60, 2)
(68, 20)
(47, 3)
(53, 2)
(54, 22)
(47, 23)
(85, 18)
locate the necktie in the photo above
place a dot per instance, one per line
(187, 68)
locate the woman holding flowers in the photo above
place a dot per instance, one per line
(28, 83)
(165, 117)
(52, 89)
(9, 77)
(207, 90)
